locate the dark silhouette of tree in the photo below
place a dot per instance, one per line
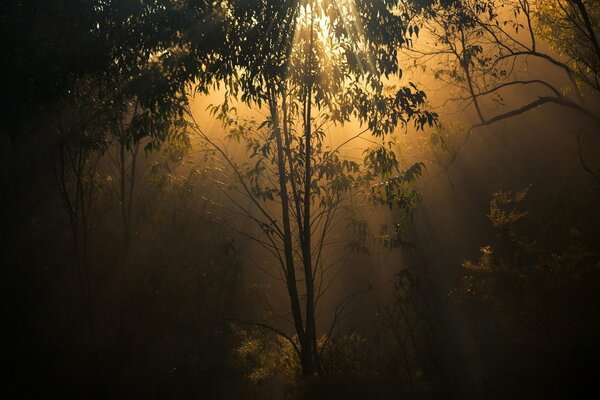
(88, 76)
(320, 65)
(486, 48)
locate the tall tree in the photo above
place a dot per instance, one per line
(311, 65)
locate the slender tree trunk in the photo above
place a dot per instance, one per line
(311, 328)
(77, 210)
(306, 358)
(126, 199)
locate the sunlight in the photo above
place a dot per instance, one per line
(300, 199)
(334, 24)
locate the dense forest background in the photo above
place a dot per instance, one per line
(300, 199)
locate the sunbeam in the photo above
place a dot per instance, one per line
(300, 199)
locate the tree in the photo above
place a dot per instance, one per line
(485, 48)
(322, 64)
(533, 300)
(102, 75)
(571, 27)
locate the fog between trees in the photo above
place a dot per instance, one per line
(281, 199)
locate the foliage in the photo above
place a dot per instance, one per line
(486, 48)
(266, 357)
(534, 303)
(324, 65)
(132, 291)
(571, 27)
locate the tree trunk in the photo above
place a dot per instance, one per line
(306, 354)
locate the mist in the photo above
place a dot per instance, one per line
(301, 200)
